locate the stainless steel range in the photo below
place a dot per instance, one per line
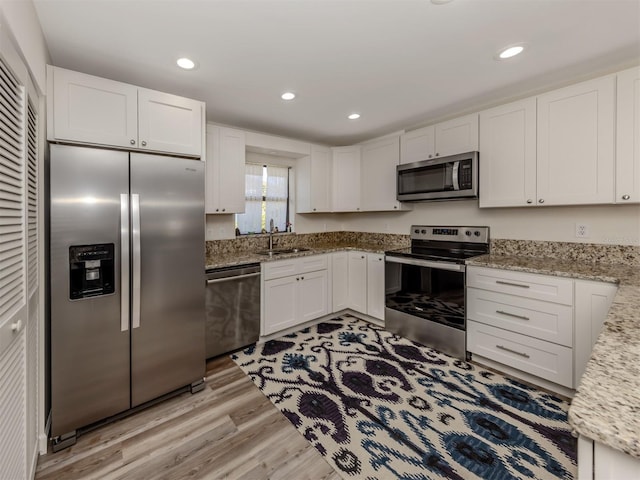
(425, 285)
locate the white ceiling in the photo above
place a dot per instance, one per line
(400, 63)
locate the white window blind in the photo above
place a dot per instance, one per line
(266, 198)
(12, 97)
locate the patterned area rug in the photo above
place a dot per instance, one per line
(378, 406)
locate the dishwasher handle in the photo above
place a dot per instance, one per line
(235, 277)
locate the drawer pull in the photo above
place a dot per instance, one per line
(521, 317)
(512, 284)
(512, 351)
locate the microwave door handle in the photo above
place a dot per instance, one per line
(455, 181)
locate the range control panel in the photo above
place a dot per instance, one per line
(450, 234)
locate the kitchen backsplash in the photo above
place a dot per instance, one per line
(579, 252)
(582, 252)
(254, 243)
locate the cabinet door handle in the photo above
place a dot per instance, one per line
(522, 317)
(541, 200)
(132, 142)
(297, 279)
(224, 209)
(144, 144)
(512, 351)
(362, 256)
(437, 154)
(501, 282)
(301, 278)
(626, 197)
(529, 201)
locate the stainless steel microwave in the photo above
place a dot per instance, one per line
(446, 178)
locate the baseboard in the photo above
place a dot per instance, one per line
(287, 331)
(43, 437)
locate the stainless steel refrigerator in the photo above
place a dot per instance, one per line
(126, 282)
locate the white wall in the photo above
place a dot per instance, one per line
(613, 224)
(24, 28)
(608, 224)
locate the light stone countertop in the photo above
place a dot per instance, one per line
(243, 258)
(606, 407)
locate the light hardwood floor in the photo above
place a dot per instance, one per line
(228, 431)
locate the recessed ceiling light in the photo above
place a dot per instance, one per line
(510, 51)
(288, 96)
(354, 116)
(186, 63)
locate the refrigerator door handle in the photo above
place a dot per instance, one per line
(124, 262)
(135, 236)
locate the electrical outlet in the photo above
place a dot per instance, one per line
(582, 230)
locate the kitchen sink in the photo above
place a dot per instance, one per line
(280, 251)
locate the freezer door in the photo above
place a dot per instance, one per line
(167, 337)
(89, 342)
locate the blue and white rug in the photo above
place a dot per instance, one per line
(378, 406)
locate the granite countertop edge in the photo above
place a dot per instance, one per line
(606, 406)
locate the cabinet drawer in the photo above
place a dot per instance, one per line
(529, 285)
(294, 266)
(279, 269)
(537, 357)
(547, 321)
(312, 263)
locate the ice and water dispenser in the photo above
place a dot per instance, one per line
(91, 270)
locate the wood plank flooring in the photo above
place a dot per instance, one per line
(228, 431)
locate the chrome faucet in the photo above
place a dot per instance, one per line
(271, 234)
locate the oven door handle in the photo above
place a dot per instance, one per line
(453, 267)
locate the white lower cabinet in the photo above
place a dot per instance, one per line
(597, 461)
(375, 285)
(339, 281)
(542, 325)
(543, 359)
(357, 285)
(294, 291)
(593, 300)
(358, 282)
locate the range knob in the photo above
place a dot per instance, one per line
(417, 230)
(477, 233)
(424, 231)
(468, 233)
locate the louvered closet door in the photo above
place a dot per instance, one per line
(12, 276)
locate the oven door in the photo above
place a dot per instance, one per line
(425, 302)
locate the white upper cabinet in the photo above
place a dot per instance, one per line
(225, 170)
(313, 181)
(457, 136)
(87, 109)
(628, 137)
(454, 136)
(346, 178)
(168, 123)
(418, 145)
(378, 174)
(508, 155)
(92, 109)
(575, 152)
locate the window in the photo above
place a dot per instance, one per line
(266, 199)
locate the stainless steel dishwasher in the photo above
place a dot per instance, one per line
(233, 308)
